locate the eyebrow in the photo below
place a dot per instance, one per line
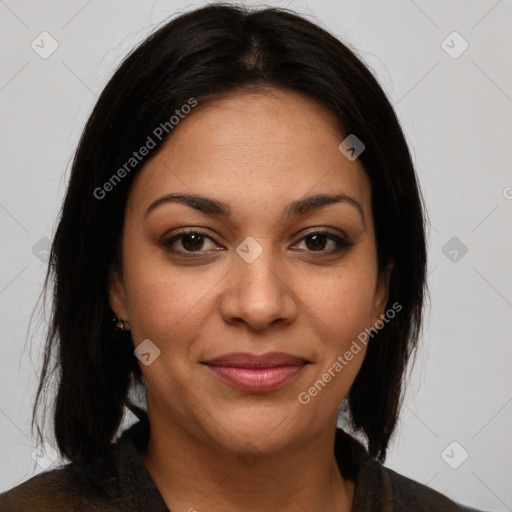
(299, 207)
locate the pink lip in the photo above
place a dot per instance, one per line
(248, 372)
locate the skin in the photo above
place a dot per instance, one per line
(257, 152)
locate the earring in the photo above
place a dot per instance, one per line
(119, 324)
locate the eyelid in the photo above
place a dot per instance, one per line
(324, 231)
(342, 241)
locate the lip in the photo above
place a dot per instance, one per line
(256, 373)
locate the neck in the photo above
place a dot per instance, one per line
(195, 475)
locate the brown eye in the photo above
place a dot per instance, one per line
(189, 242)
(192, 242)
(316, 242)
(326, 243)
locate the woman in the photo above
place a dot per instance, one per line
(243, 205)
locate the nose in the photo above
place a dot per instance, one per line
(257, 294)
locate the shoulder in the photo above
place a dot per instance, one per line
(380, 488)
(45, 491)
(409, 495)
(116, 480)
(67, 488)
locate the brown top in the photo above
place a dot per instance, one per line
(119, 481)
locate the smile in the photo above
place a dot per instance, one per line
(253, 373)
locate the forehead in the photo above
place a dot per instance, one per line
(252, 147)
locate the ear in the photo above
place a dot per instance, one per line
(382, 292)
(117, 294)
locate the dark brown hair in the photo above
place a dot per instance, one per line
(200, 54)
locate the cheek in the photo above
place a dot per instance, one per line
(342, 299)
(165, 302)
(339, 312)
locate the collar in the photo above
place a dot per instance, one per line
(137, 487)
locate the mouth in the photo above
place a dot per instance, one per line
(256, 373)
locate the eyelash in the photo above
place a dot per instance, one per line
(342, 244)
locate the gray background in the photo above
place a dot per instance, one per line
(456, 113)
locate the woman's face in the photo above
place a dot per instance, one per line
(255, 265)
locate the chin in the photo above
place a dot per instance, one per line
(266, 426)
